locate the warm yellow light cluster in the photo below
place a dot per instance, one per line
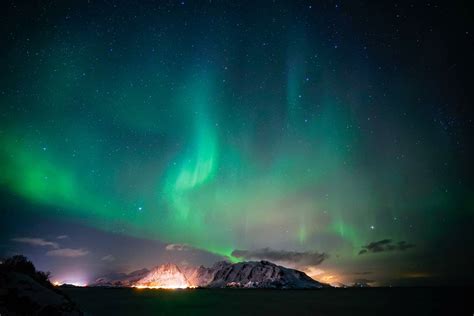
(169, 287)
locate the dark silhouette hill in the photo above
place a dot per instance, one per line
(26, 291)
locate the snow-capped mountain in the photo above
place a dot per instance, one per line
(121, 279)
(252, 274)
(164, 276)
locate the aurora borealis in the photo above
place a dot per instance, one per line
(299, 127)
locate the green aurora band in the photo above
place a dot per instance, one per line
(227, 146)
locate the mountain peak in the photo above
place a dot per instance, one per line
(164, 276)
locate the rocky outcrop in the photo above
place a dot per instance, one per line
(121, 279)
(164, 276)
(254, 274)
(201, 276)
(22, 292)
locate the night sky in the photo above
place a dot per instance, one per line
(333, 137)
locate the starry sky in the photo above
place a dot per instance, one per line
(330, 136)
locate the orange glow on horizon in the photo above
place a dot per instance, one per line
(159, 287)
(58, 283)
(323, 276)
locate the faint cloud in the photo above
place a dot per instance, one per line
(108, 258)
(385, 245)
(67, 252)
(57, 252)
(36, 242)
(178, 247)
(293, 257)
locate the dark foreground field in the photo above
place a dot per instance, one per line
(370, 301)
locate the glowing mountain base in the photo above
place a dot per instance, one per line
(167, 276)
(158, 287)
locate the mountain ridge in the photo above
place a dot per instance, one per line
(223, 274)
